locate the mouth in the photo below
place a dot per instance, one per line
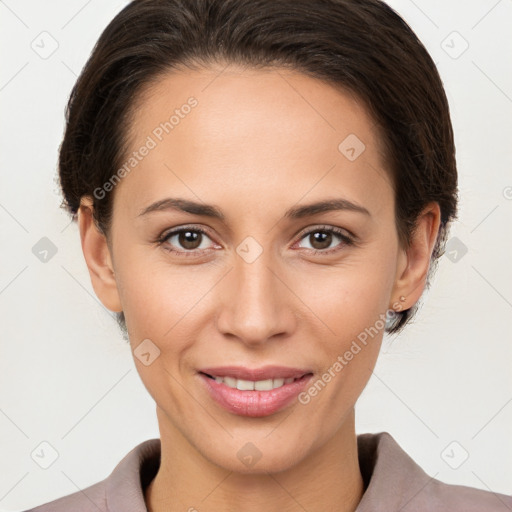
(254, 385)
(254, 392)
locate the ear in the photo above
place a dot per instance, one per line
(98, 258)
(414, 261)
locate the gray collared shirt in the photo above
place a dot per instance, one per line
(393, 483)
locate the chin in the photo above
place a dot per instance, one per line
(254, 457)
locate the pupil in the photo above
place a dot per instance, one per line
(322, 238)
(188, 239)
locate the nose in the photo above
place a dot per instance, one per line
(254, 302)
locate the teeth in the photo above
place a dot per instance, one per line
(264, 385)
(244, 385)
(230, 381)
(250, 385)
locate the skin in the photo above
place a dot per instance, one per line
(258, 142)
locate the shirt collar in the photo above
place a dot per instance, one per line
(392, 480)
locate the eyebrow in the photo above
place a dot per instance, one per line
(325, 206)
(206, 210)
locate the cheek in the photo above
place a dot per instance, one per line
(353, 309)
(350, 305)
(160, 303)
(155, 295)
(348, 298)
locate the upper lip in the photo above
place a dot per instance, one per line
(263, 373)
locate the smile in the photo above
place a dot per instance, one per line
(258, 397)
(251, 385)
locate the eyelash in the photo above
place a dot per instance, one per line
(346, 240)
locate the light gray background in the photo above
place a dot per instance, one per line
(443, 388)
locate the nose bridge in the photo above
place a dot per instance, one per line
(254, 304)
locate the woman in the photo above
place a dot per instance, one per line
(262, 189)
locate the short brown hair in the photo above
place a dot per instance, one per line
(363, 46)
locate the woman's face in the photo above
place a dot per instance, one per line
(268, 283)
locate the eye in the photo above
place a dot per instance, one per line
(321, 238)
(193, 241)
(185, 241)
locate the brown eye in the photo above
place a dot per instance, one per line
(189, 239)
(320, 240)
(186, 241)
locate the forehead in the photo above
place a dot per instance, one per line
(235, 132)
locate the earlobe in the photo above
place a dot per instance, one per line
(414, 261)
(98, 258)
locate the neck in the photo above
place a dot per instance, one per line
(327, 479)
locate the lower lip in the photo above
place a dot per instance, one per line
(254, 403)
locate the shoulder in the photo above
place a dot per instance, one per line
(465, 499)
(91, 499)
(394, 482)
(122, 490)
